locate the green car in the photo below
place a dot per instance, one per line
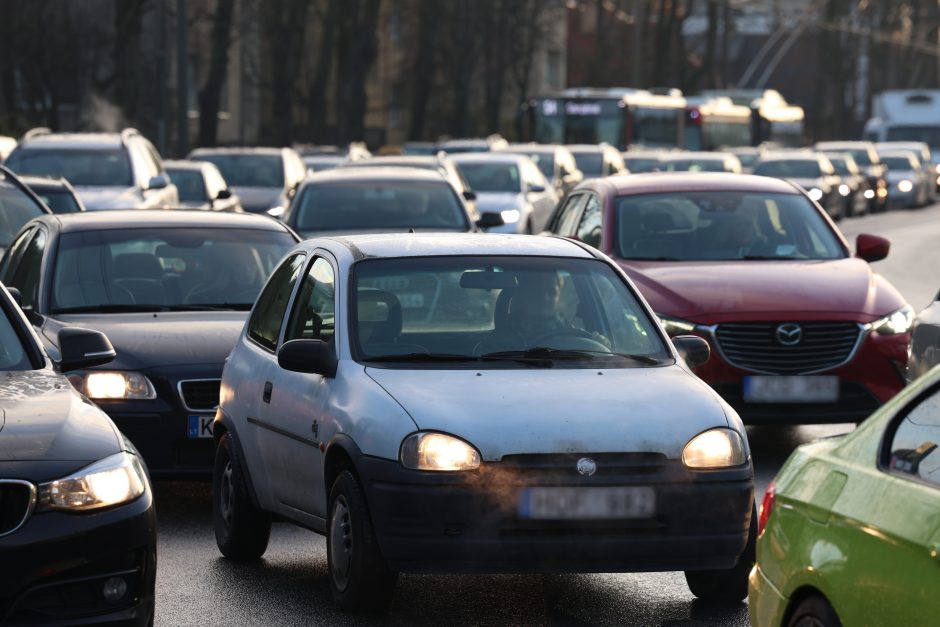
(849, 532)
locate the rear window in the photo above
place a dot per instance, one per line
(103, 167)
(191, 186)
(16, 209)
(248, 170)
(795, 168)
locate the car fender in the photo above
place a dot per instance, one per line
(223, 424)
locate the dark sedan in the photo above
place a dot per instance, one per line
(77, 526)
(18, 205)
(171, 289)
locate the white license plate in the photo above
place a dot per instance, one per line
(587, 503)
(200, 427)
(795, 389)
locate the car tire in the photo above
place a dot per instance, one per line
(242, 529)
(360, 579)
(814, 611)
(729, 585)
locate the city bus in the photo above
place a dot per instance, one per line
(773, 119)
(712, 123)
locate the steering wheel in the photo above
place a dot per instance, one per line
(577, 334)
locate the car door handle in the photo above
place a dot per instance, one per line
(266, 396)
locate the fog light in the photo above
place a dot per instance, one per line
(114, 589)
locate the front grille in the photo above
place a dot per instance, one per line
(16, 503)
(564, 464)
(200, 394)
(755, 346)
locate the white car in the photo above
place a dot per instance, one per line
(476, 403)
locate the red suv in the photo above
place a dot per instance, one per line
(801, 331)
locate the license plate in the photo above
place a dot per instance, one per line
(587, 503)
(795, 389)
(200, 427)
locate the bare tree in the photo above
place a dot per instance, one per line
(211, 93)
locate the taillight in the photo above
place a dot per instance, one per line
(766, 507)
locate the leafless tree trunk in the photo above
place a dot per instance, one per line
(211, 94)
(425, 64)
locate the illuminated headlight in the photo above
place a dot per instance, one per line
(870, 193)
(816, 194)
(716, 448)
(112, 481)
(905, 186)
(510, 216)
(844, 190)
(675, 326)
(438, 451)
(937, 168)
(899, 321)
(115, 385)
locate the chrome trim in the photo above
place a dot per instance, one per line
(29, 508)
(711, 330)
(179, 391)
(102, 354)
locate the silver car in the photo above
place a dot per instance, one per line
(476, 403)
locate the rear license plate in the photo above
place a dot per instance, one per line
(787, 389)
(587, 503)
(200, 427)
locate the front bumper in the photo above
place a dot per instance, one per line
(765, 604)
(62, 561)
(469, 523)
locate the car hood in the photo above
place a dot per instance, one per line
(44, 420)
(99, 198)
(492, 202)
(258, 199)
(529, 410)
(153, 340)
(719, 291)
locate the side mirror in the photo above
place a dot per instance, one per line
(536, 188)
(17, 296)
(871, 247)
(694, 350)
(490, 219)
(276, 212)
(160, 181)
(310, 356)
(83, 348)
(469, 194)
(224, 194)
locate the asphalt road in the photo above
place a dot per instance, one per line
(196, 586)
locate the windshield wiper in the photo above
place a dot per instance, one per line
(111, 308)
(213, 307)
(424, 357)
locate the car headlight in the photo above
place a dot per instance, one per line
(816, 194)
(899, 321)
(715, 448)
(844, 190)
(438, 451)
(114, 385)
(675, 326)
(937, 168)
(869, 194)
(112, 481)
(905, 186)
(510, 216)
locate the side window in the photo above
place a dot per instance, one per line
(589, 229)
(12, 257)
(567, 221)
(314, 307)
(915, 445)
(26, 272)
(265, 323)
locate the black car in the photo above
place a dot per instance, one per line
(18, 205)
(77, 526)
(172, 290)
(925, 341)
(57, 193)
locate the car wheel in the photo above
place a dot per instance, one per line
(726, 586)
(359, 577)
(241, 529)
(814, 611)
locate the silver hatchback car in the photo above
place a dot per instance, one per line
(476, 403)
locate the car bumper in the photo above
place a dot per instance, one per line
(765, 604)
(63, 561)
(433, 522)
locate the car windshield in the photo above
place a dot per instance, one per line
(591, 163)
(16, 209)
(371, 205)
(492, 176)
(191, 186)
(104, 167)
(840, 165)
(861, 156)
(792, 168)
(154, 269)
(694, 165)
(13, 355)
(727, 225)
(930, 135)
(545, 162)
(747, 159)
(898, 163)
(501, 311)
(638, 166)
(247, 170)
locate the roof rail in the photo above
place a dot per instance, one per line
(127, 133)
(35, 132)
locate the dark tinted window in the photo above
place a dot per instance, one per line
(264, 327)
(791, 168)
(103, 167)
(248, 170)
(589, 230)
(313, 314)
(927, 134)
(694, 165)
(191, 186)
(567, 222)
(16, 209)
(26, 274)
(491, 176)
(638, 166)
(591, 163)
(898, 163)
(60, 201)
(915, 447)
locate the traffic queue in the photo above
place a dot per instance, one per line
(472, 356)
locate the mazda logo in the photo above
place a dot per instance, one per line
(789, 334)
(586, 466)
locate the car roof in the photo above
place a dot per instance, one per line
(521, 149)
(44, 182)
(398, 161)
(436, 244)
(155, 218)
(185, 164)
(791, 156)
(847, 144)
(74, 141)
(376, 173)
(897, 153)
(709, 156)
(495, 156)
(655, 182)
(236, 150)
